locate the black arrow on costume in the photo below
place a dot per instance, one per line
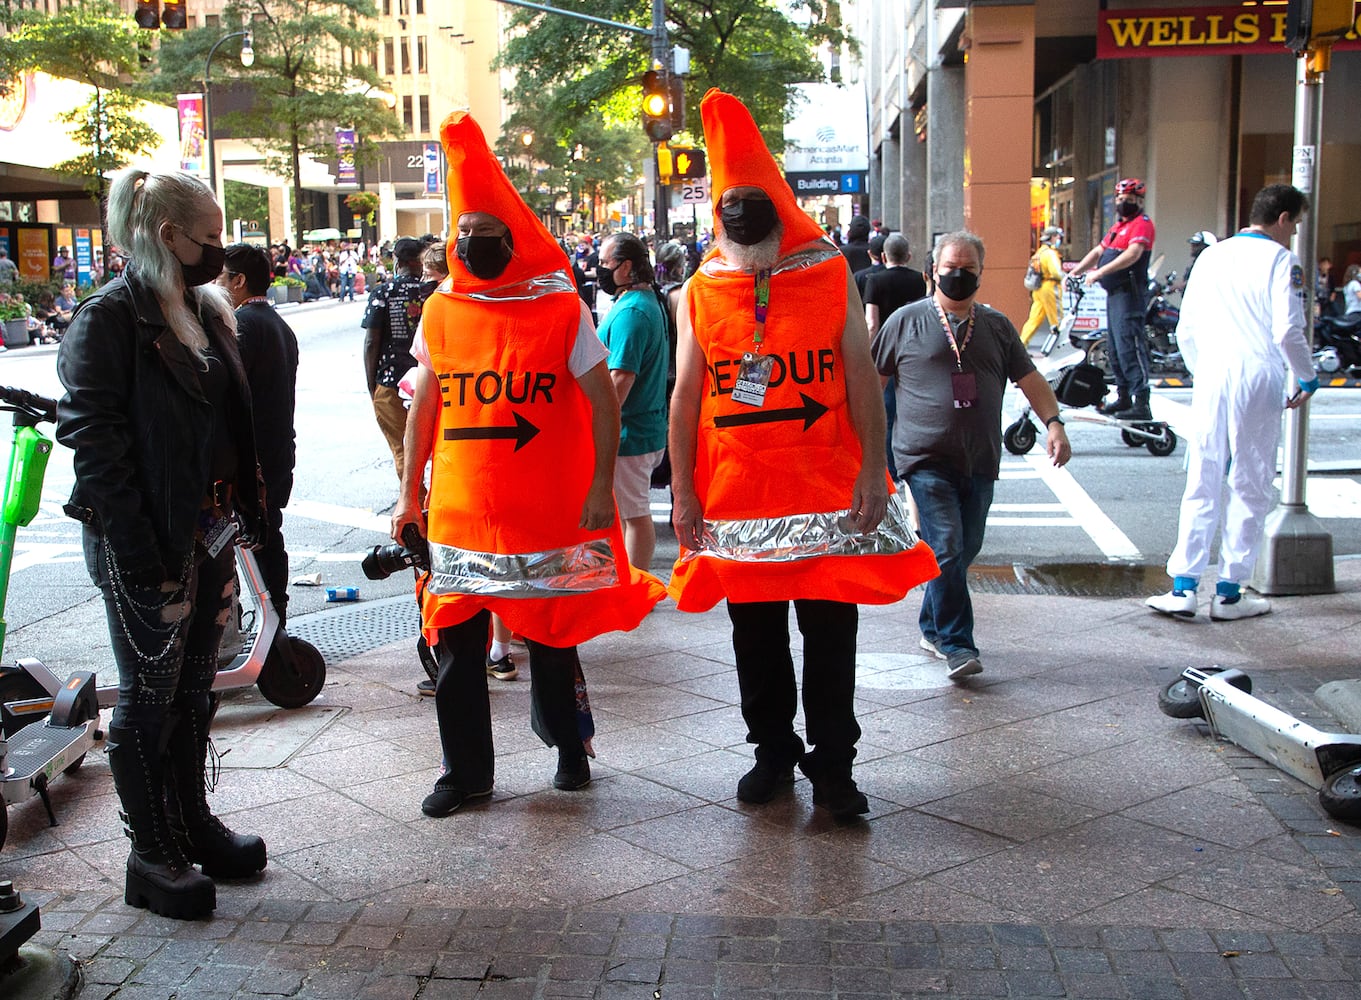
(809, 413)
(522, 433)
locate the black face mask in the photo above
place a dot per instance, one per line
(485, 257)
(748, 220)
(604, 278)
(209, 265)
(1128, 209)
(957, 285)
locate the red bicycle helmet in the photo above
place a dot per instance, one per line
(1131, 185)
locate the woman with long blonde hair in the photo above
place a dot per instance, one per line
(158, 414)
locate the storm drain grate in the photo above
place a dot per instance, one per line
(355, 631)
(1069, 579)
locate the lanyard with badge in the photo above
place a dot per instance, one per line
(755, 368)
(963, 385)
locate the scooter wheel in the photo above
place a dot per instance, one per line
(1164, 445)
(1180, 700)
(78, 718)
(1340, 795)
(1130, 439)
(295, 687)
(1019, 438)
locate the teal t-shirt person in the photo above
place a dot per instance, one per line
(634, 332)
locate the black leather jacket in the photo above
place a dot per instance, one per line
(141, 428)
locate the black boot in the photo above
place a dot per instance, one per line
(1122, 402)
(205, 838)
(160, 878)
(833, 787)
(1138, 410)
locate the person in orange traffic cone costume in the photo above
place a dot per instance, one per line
(778, 471)
(515, 410)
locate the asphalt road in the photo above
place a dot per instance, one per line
(1112, 503)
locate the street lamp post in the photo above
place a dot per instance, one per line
(247, 59)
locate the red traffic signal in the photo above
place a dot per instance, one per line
(148, 14)
(173, 15)
(656, 107)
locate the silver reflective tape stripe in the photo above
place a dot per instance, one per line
(804, 257)
(530, 288)
(806, 536)
(573, 570)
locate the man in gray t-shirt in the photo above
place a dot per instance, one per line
(952, 359)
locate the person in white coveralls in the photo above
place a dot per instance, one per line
(1242, 325)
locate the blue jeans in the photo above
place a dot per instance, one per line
(953, 511)
(1128, 345)
(347, 286)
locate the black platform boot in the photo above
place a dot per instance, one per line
(1137, 410)
(1123, 401)
(160, 877)
(206, 840)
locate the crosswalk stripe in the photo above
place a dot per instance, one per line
(1113, 542)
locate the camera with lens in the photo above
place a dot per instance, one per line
(384, 560)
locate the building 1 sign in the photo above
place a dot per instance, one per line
(808, 184)
(1133, 33)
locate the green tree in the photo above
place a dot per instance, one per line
(91, 42)
(754, 49)
(309, 77)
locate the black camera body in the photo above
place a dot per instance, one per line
(384, 560)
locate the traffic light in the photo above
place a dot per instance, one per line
(656, 107)
(1308, 22)
(173, 15)
(148, 14)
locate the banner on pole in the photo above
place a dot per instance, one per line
(432, 174)
(345, 170)
(193, 142)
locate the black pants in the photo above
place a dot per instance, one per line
(272, 558)
(463, 706)
(164, 643)
(765, 675)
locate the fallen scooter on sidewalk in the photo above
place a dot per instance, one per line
(48, 724)
(1329, 762)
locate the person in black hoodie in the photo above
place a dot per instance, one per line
(269, 354)
(856, 249)
(158, 414)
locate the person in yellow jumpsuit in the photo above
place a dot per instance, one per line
(1044, 301)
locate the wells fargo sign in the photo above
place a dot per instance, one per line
(1196, 31)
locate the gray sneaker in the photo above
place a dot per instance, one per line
(963, 665)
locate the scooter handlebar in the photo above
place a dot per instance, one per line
(40, 406)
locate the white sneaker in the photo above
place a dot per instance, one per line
(1181, 605)
(1246, 606)
(932, 648)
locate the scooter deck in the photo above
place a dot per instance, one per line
(44, 748)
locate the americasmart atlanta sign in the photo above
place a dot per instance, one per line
(1137, 33)
(826, 147)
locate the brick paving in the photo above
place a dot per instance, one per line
(1044, 832)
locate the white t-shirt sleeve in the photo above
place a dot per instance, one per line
(587, 351)
(419, 350)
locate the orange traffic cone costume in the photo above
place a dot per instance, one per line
(775, 481)
(513, 457)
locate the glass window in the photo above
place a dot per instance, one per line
(420, 54)
(420, 6)
(389, 64)
(406, 114)
(426, 124)
(406, 54)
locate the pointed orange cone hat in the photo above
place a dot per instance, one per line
(738, 157)
(478, 184)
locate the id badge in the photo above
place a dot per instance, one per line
(217, 533)
(964, 389)
(753, 378)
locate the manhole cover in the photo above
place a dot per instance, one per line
(354, 630)
(1069, 579)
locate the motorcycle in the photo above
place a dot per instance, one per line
(1338, 339)
(1160, 328)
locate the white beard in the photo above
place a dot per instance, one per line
(757, 257)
